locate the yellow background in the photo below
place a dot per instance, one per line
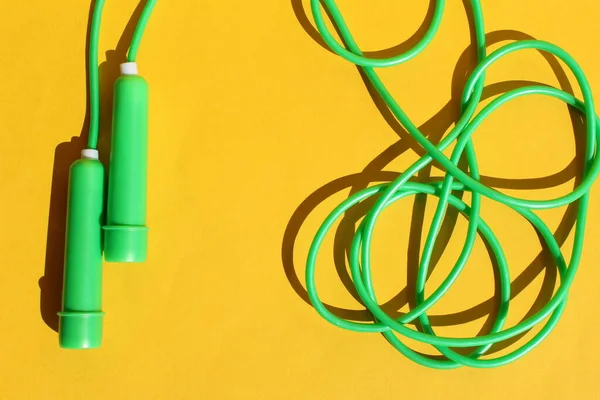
(249, 117)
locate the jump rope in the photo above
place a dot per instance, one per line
(124, 236)
(454, 182)
(117, 226)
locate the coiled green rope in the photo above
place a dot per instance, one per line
(455, 180)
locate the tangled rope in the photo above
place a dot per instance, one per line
(455, 179)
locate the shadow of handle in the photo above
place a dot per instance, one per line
(51, 283)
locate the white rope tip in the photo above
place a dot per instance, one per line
(129, 68)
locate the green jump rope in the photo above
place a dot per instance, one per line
(455, 180)
(124, 236)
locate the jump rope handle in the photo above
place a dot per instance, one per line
(80, 321)
(125, 233)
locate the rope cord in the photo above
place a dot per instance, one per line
(94, 82)
(455, 180)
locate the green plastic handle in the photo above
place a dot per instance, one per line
(80, 321)
(125, 233)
